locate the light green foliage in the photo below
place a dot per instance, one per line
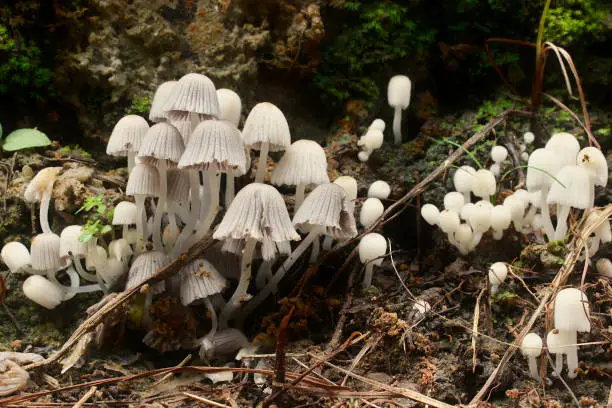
(25, 139)
(99, 217)
(75, 150)
(575, 20)
(140, 106)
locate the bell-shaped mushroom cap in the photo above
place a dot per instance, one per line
(199, 279)
(516, 205)
(112, 271)
(372, 247)
(326, 206)
(593, 160)
(41, 183)
(379, 189)
(483, 183)
(378, 124)
(162, 142)
(224, 343)
(531, 345)
(145, 266)
(194, 93)
(499, 153)
(42, 291)
(480, 218)
(604, 267)
(184, 123)
(557, 342)
(178, 185)
(70, 244)
(430, 214)
(572, 311)
(501, 217)
(15, 255)
(230, 106)
(266, 123)
(448, 221)
(463, 179)
(372, 140)
(371, 210)
(573, 188)
(349, 184)
(542, 167)
(127, 135)
(258, 211)
(304, 162)
(45, 251)
(144, 180)
(162, 93)
(215, 145)
(602, 231)
(13, 378)
(497, 273)
(454, 201)
(398, 91)
(125, 213)
(565, 146)
(528, 137)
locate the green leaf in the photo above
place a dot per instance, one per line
(25, 139)
(105, 229)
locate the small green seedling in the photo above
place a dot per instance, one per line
(98, 219)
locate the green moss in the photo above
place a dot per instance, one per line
(140, 105)
(575, 21)
(75, 150)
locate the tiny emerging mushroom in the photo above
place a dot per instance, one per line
(497, 275)
(16, 256)
(371, 210)
(39, 190)
(531, 347)
(571, 316)
(372, 247)
(379, 189)
(398, 95)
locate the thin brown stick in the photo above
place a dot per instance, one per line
(85, 397)
(205, 400)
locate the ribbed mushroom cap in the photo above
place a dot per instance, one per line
(144, 180)
(304, 162)
(215, 145)
(162, 93)
(398, 91)
(127, 135)
(42, 182)
(194, 93)
(565, 146)
(112, 270)
(227, 264)
(199, 279)
(45, 252)
(258, 211)
(266, 123)
(125, 213)
(230, 106)
(593, 160)
(269, 250)
(145, 266)
(225, 343)
(178, 185)
(326, 206)
(572, 311)
(541, 159)
(13, 377)
(70, 242)
(184, 123)
(15, 255)
(577, 190)
(162, 142)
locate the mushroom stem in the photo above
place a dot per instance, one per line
(572, 354)
(230, 189)
(146, 315)
(214, 323)
(44, 211)
(280, 273)
(91, 277)
(261, 164)
(547, 224)
(562, 214)
(194, 185)
(161, 206)
(558, 365)
(124, 232)
(300, 192)
(397, 125)
(131, 160)
(533, 367)
(214, 184)
(316, 249)
(327, 243)
(264, 274)
(243, 284)
(369, 273)
(141, 222)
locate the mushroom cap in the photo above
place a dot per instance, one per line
(162, 142)
(258, 211)
(199, 279)
(184, 122)
(70, 242)
(178, 185)
(45, 252)
(96, 257)
(466, 211)
(304, 162)
(501, 217)
(572, 311)
(593, 160)
(464, 234)
(194, 93)
(42, 291)
(566, 147)
(454, 201)
(15, 255)
(266, 123)
(603, 267)
(112, 271)
(125, 213)
(41, 183)
(516, 206)
(480, 218)
(230, 106)
(448, 221)
(463, 179)
(349, 184)
(162, 93)
(364, 155)
(326, 206)
(430, 214)
(531, 345)
(379, 189)
(528, 137)
(144, 180)
(542, 166)
(495, 169)
(378, 124)
(484, 184)
(127, 135)
(145, 266)
(120, 249)
(371, 211)
(497, 273)
(574, 189)
(226, 342)
(499, 153)
(372, 140)
(214, 145)
(557, 341)
(372, 247)
(602, 232)
(398, 91)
